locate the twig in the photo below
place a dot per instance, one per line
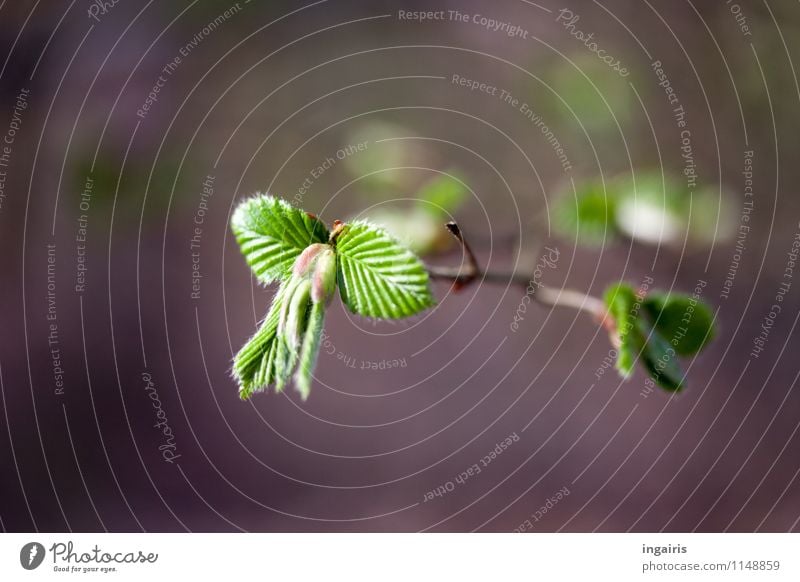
(461, 277)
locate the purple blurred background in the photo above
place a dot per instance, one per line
(102, 194)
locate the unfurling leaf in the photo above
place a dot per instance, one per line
(379, 277)
(621, 301)
(309, 289)
(291, 329)
(272, 233)
(686, 322)
(659, 358)
(318, 264)
(254, 365)
(310, 350)
(656, 329)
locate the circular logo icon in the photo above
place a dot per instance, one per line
(31, 555)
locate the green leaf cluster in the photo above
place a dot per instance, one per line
(376, 275)
(656, 329)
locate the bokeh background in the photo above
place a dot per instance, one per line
(264, 93)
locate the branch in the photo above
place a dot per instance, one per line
(464, 276)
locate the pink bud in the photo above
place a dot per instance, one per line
(305, 262)
(317, 263)
(323, 282)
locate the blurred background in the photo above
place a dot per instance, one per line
(620, 140)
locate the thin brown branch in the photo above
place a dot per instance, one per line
(464, 276)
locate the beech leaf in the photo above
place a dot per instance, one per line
(378, 276)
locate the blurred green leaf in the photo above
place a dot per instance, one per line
(597, 96)
(376, 166)
(588, 214)
(620, 301)
(651, 209)
(713, 217)
(443, 195)
(687, 323)
(658, 358)
(418, 229)
(656, 332)
(647, 208)
(421, 226)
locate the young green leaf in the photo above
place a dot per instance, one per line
(310, 350)
(687, 323)
(379, 277)
(659, 358)
(291, 328)
(620, 301)
(272, 233)
(639, 339)
(254, 365)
